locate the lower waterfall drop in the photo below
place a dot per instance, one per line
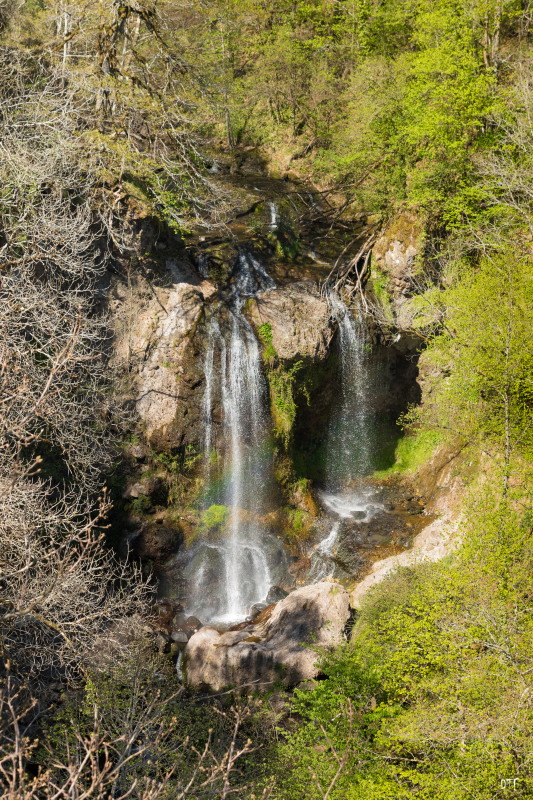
(349, 453)
(243, 398)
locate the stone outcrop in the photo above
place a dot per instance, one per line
(156, 542)
(396, 255)
(441, 482)
(300, 320)
(433, 543)
(396, 250)
(156, 326)
(282, 644)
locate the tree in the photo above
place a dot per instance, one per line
(61, 588)
(479, 369)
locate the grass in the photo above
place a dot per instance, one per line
(412, 451)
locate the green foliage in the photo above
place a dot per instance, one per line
(487, 396)
(412, 451)
(298, 525)
(139, 505)
(214, 517)
(183, 461)
(281, 381)
(381, 291)
(264, 332)
(436, 679)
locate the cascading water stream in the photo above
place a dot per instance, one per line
(248, 578)
(349, 443)
(274, 215)
(237, 562)
(213, 335)
(349, 438)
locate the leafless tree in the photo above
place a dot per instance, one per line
(93, 760)
(61, 588)
(507, 170)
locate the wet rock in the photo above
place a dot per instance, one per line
(275, 593)
(300, 565)
(193, 624)
(285, 646)
(431, 544)
(179, 621)
(146, 486)
(180, 637)
(157, 542)
(257, 608)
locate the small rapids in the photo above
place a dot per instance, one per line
(358, 506)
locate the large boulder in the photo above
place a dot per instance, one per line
(157, 543)
(282, 644)
(300, 319)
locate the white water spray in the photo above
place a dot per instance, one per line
(274, 215)
(349, 445)
(230, 575)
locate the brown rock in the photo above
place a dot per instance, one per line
(157, 542)
(300, 320)
(277, 649)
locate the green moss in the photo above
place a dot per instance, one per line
(214, 517)
(412, 451)
(379, 283)
(264, 333)
(283, 405)
(281, 381)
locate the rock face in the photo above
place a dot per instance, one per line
(157, 542)
(431, 544)
(300, 319)
(396, 250)
(274, 647)
(165, 375)
(438, 480)
(156, 328)
(395, 254)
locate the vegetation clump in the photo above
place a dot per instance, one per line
(282, 382)
(214, 517)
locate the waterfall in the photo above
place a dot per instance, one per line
(349, 442)
(243, 396)
(349, 439)
(274, 215)
(213, 335)
(203, 265)
(229, 572)
(251, 277)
